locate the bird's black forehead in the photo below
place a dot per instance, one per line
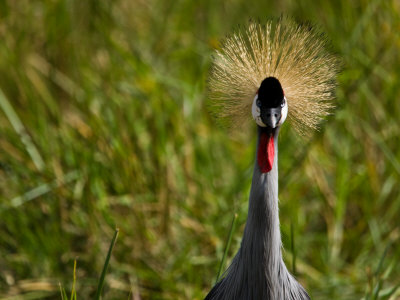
(270, 93)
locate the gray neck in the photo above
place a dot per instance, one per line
(261, 245)
(258, 271)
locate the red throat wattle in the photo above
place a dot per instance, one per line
(266, 152)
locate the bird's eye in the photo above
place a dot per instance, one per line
(258, 103)
(283, 103)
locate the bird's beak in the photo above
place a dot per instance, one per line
(271, 116)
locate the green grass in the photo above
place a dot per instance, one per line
(104, 124)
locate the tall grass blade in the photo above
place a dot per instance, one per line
(378, 269)
(59, 78)
(21, 131)
(73, 292)
(389, 292)
(63, 293)
(43, 189)
(103, 273)
(228, 245)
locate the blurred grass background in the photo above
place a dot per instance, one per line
(103, 124)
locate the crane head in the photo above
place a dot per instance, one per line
(264, 68)
(269, 106)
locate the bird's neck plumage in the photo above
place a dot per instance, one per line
(262, 233)
(258, 271)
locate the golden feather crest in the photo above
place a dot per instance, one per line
(294, 54)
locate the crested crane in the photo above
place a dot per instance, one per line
(273, 71)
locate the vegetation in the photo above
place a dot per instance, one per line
(104, 124)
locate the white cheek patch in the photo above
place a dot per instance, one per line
(256, 112)
(284, 112)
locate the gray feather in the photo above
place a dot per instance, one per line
(258, 270)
